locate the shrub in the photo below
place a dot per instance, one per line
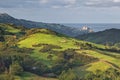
(68, 75)
(15, 69)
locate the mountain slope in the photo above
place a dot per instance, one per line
(5, 18)
(49, 54)
(108, 36)
(37, 40)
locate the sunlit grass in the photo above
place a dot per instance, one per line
(101, 56)
(38, 38)
(100, 65)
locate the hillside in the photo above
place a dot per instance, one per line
(44, 54)
(110, 36)
(5, 18)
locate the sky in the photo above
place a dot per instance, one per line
(63, 11)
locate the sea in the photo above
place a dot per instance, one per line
(94, 26)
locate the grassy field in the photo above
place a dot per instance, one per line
(93, 67)
(37, 38)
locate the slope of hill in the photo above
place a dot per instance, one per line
(41, 41)
(5, 18)
(50, 54)
(103, 37)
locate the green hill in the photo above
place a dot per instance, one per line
(52, 55)
(110, 36)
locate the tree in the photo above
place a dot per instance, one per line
(7, 77)
(15, 69)
(50, 57)
(68, 75)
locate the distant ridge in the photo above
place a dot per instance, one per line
(72, 32)
(5, 15)
(102, 37)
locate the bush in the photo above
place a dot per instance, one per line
(15, 69)
(68, 75)
(34, 66)
(109, 74)
(6, 77)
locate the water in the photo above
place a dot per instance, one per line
(95, 27)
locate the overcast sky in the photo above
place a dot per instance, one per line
(63, 11)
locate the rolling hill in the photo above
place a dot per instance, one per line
(50, 54)
(5, 18)
(110, 36)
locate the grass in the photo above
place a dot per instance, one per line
(101, 56)
(13, 30)
(102, 65)
(37, 38)
(114, 54)
(9, 28)
(43, 57)
(93, 67)
(30, 76)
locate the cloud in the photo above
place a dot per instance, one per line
(116, 0)
(18, 3)
(58, 3)
(103, 3)
(80, 3)
(44, 1)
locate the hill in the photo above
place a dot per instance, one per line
(8, 31)
(5, 18)
(44, 54)
(110, 36)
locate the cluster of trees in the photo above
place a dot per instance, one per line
(14, 61)
(85, 45)
(48, 48)
(68, 75)
(109, 74)
(1, 35)
(9, 67)
(7, 77)
(110, 49)
(48, 45)
(39, 30)
(69, 59)
(34, 66)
